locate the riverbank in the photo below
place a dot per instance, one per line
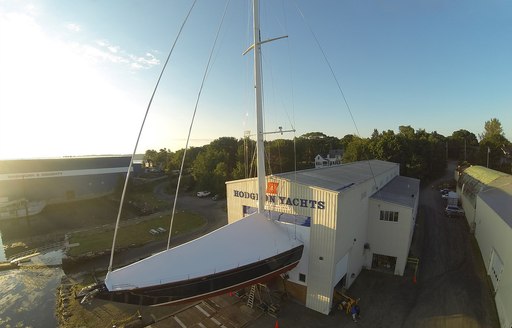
(56, 221)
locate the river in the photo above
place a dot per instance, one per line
(28, 294)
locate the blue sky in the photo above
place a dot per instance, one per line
(76, 76)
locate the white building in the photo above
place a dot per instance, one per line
(349, 217)
(333, 158)
(486, 197)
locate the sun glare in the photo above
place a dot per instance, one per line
(54, 100)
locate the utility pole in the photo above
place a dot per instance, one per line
(488, 152)
(464, 149)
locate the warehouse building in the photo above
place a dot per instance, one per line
(27, 185)
(349, 217)
(486, 197)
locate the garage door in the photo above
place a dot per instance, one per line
(341, 268)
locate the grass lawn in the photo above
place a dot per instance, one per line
(132, 234)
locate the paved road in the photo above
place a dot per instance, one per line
(453, 286)
(451, 289)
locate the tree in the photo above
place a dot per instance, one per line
(437, 158)
(314, 143)
(420, 154)
(158, 159)
(313, 135)
(215, 163)
(357, 150)
(206, 169)
(280, 156)
(151, 156)
(463, 146)
(175, 159)
(229, 146)
(348, 138)
(492, 129)
(492, 143)
(386, 146)
(406, 131)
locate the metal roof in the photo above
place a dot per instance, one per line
(483, 174)
(342, 176)
(63, 164)
(401, 190)
(498, 195)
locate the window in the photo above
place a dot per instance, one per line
(302, 277)
(389, 216)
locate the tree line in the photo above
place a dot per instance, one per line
(421, 154)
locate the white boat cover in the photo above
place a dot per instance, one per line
(245, 241)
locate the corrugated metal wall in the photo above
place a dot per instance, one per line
(321, 258)
(494, 237)
(292, 198)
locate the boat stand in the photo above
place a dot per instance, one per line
(261, 293)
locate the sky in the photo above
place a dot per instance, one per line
(76, 77)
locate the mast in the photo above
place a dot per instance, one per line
(260, 150)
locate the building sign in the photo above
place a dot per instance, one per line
(56, 174)
(272, 188)
(282, 200)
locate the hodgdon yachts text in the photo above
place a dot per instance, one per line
(300, 202)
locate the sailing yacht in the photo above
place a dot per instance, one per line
(251, 250)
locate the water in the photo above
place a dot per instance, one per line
(28, 294)
(27, 297)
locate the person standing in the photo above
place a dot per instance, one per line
(355, 311)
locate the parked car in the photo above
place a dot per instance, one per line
(202, 194)
(444, 193)
(453, 210)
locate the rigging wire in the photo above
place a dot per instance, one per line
(207, 70)
(336, 80)
(139, 135)
(292, 120)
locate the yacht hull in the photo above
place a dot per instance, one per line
(206, 286)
